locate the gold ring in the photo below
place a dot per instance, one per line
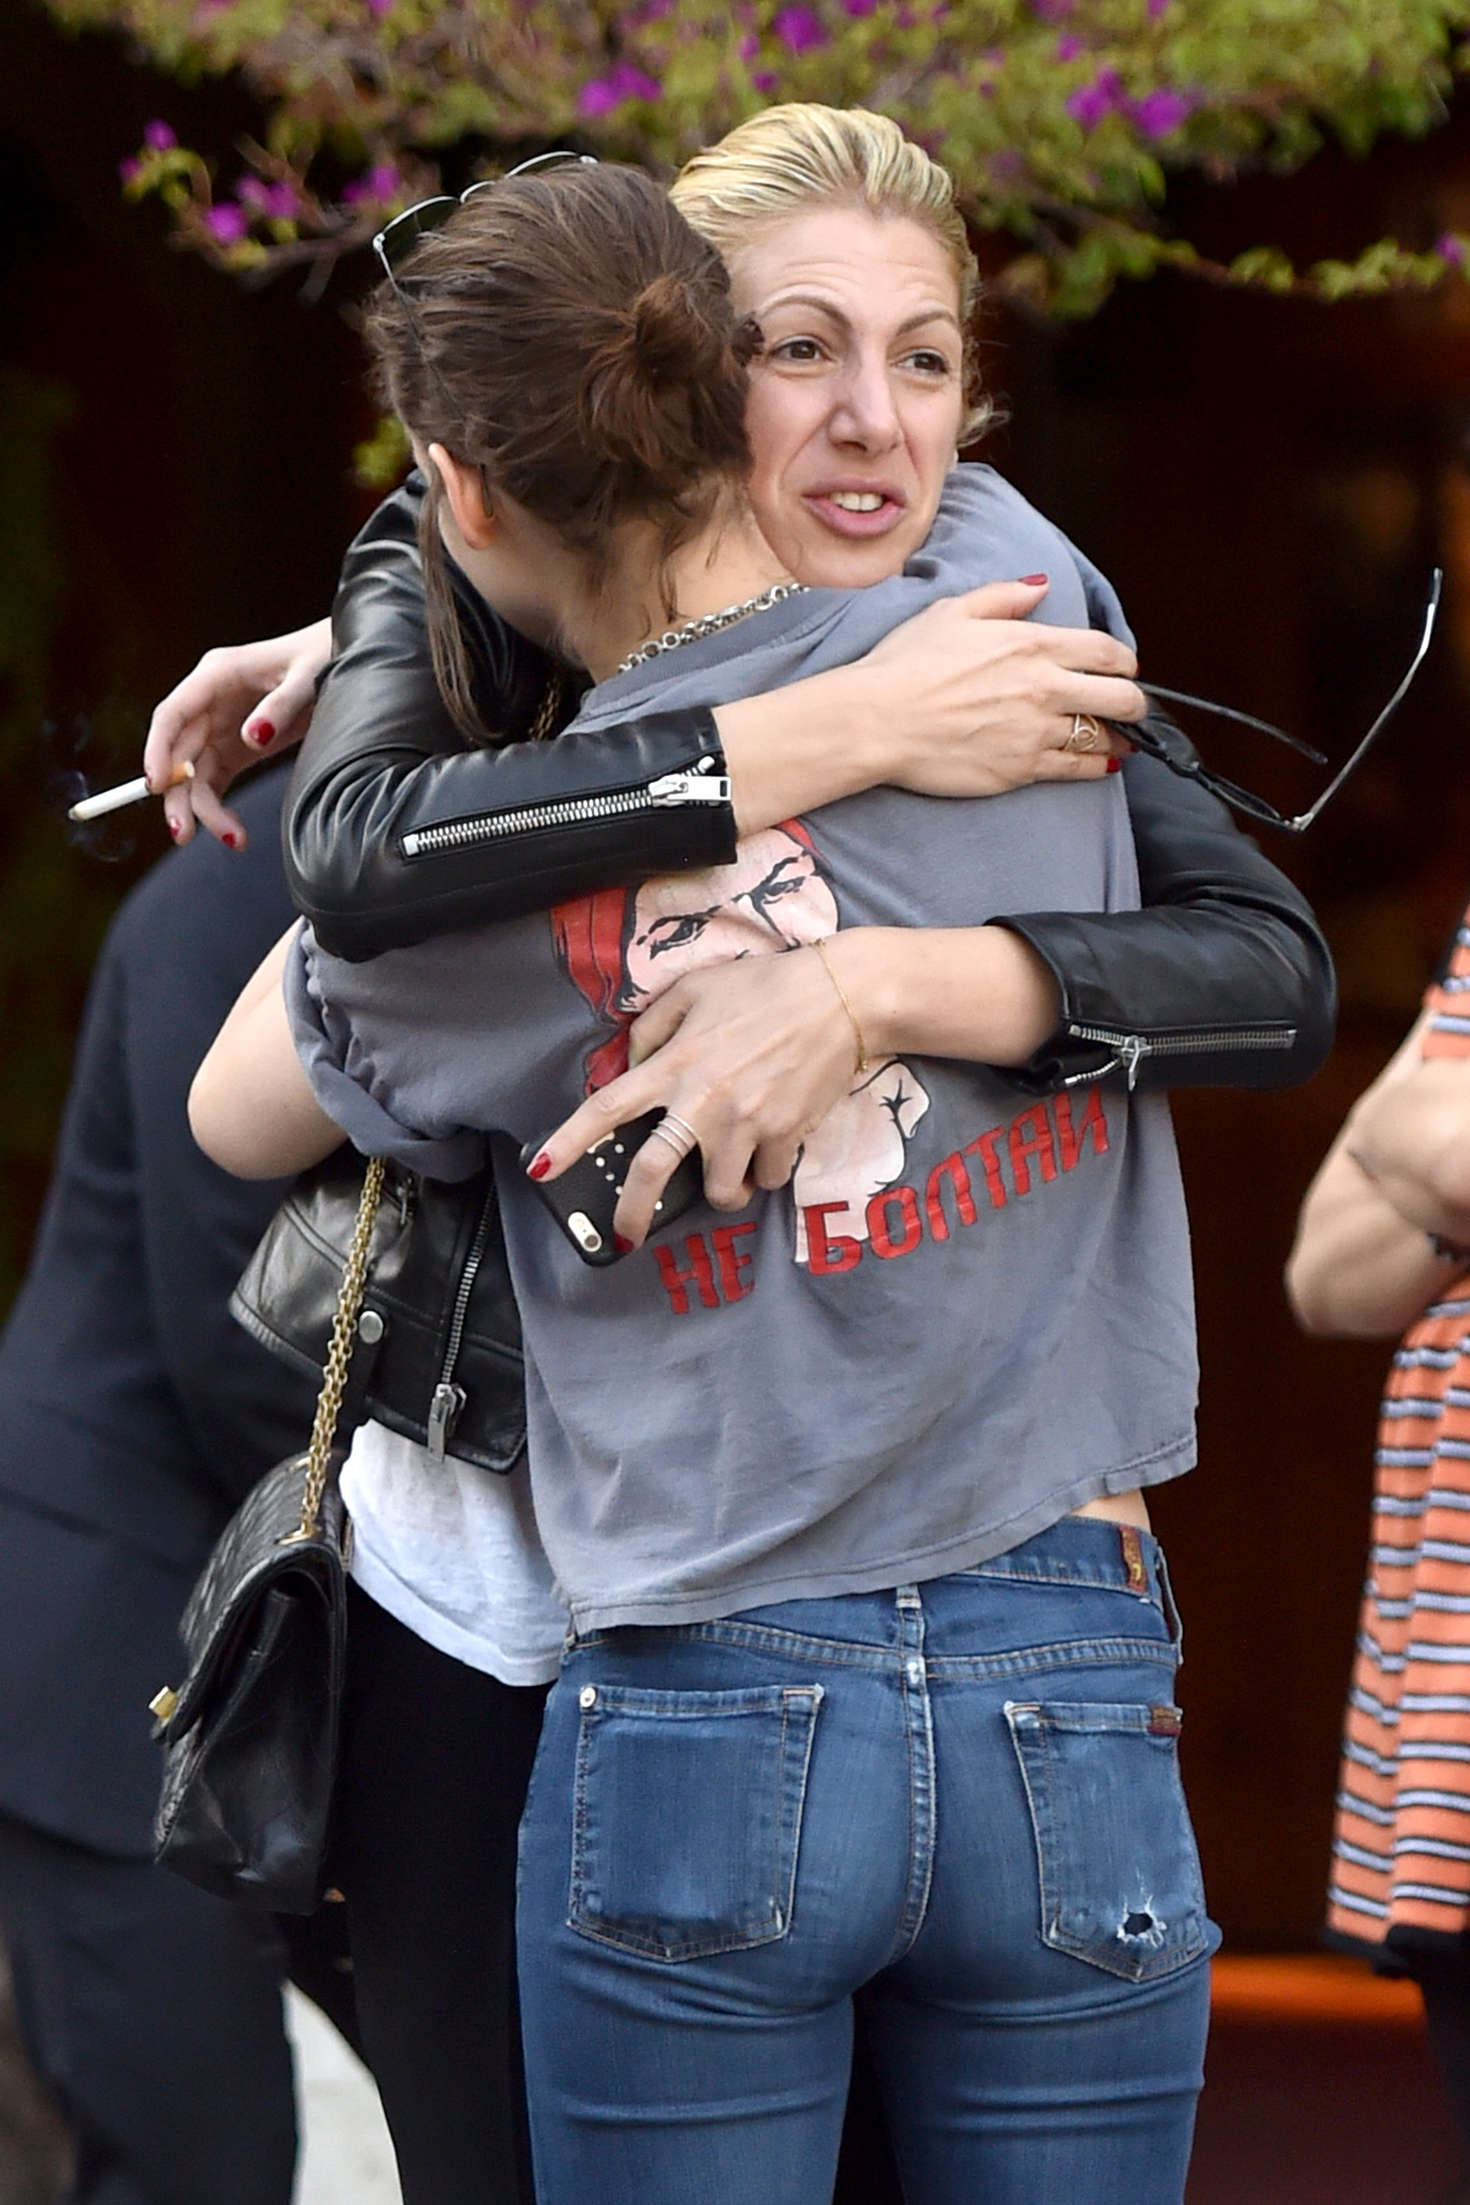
(1085, 733)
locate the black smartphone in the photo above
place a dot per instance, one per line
(583, 1199)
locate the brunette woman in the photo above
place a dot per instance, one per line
(1019, 2064)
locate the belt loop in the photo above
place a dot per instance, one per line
(1166, 1594)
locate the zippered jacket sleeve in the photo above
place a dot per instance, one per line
(1222, 979)
(395, 829)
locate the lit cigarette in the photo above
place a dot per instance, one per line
(126, 792)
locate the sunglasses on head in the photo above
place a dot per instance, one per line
(397, 239)
(1153, 738)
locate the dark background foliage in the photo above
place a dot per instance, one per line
(1267, 481)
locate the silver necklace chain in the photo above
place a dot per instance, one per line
(691, 631)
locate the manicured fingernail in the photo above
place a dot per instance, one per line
(231, 842)
(174, 829)
(624, 1247)
(261, 731)
(1115, 765)
(1034, 581)
(539, 1166)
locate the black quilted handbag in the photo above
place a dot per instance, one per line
(250, 1736)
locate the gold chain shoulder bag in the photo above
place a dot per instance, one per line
(250, 1737)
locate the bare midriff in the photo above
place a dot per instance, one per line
(1118, 1508)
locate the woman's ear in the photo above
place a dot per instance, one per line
(465, 490)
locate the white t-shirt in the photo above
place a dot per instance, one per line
(451, 1552)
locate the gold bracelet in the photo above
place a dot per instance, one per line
(862, 1047)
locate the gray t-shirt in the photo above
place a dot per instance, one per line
(968, 1314)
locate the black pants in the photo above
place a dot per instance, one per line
(152, 2016)
(435, 1761)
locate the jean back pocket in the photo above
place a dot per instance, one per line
(1120, 1874)
(687, 1817)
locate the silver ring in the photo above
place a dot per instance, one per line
(1085, 733)
(679, 1136)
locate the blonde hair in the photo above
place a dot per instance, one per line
(791, 158)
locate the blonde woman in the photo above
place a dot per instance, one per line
(938, 1523)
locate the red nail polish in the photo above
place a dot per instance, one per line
(231, 842)
(624, 1247)
(539, 1166)
(261, 731)
(1115, 765)
(1034, 581)
(174, 829)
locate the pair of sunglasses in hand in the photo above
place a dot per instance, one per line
(1161, 740)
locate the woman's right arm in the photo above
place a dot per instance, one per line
(251, 1107)
(1364, 1262)
(397, 830)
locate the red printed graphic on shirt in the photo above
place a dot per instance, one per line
(623, 947)
(1004, 1164)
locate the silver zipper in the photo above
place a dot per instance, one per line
(447, 1399)
(1130, 1049)
(699, 785)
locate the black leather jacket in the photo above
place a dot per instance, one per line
(395, 830)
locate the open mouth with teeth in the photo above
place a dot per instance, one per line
(856, 512)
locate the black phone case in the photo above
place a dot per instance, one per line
(583, 1199)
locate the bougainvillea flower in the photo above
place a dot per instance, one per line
(624, 81)
(800, 29)
(227, 223)
(1162, 112)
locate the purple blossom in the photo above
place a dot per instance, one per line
(1451, 249)
(1070, 46)
(1091, 103)
(1052, 11)
(1162, 113)
(799, 29)
(858, 8)
(1156, 9)
(749, 46)
(159, 137)
(227, 224)
(129, 171)
(282, 202)
(379, 8)
(764, 80)
(624, 81)
(382, 183)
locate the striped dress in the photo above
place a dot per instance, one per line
(1401, 1846)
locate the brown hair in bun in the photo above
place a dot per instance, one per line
(571, 336)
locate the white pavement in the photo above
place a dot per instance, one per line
(346, 2158)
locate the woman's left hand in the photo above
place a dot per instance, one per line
(750, 1055)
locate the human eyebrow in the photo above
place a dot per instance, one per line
(835, 314)
(807, 299)
(929, 314)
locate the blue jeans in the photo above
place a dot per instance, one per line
(958, 1802)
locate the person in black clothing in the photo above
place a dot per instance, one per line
(134, 1415)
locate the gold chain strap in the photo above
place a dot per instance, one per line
(339, 1351)
(546, 710)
